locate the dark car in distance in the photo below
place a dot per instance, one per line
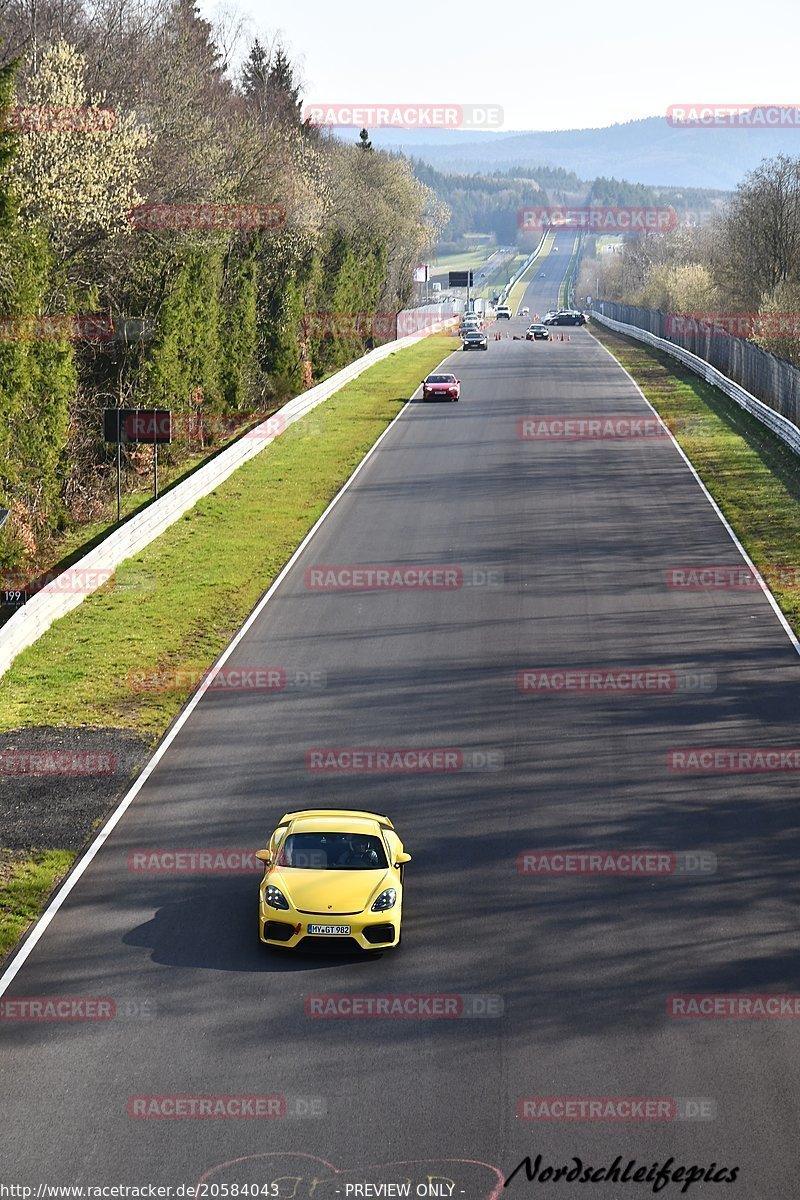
(538, 332)
(474, 339)
(565, 316)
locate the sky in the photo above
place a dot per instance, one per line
(547, 66)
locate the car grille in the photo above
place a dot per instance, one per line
(329, 945)
(310, 912)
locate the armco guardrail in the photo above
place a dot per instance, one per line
(781, 426)
(574, 273)
(568, 282)
(55, 600)
(771, 379)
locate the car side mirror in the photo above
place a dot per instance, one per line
(263, 856)
(458, 381)
(402, 858)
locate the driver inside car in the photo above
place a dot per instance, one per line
(359, 853)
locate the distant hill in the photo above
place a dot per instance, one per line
(491, 203)
(648, 151)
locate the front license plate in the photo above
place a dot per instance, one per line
(336, 930)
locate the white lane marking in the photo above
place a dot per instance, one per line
(756, 573)
(91, 850)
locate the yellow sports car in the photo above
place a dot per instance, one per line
(332, 875)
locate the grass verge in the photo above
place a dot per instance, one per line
(179, 602)
(564, 288)
(26, 880)
(753, 476)
(463, 260)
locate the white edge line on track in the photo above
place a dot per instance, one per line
(756, 573)
(21, 956)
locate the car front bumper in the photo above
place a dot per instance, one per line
(290, 929)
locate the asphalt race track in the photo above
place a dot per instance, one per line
(564, 547)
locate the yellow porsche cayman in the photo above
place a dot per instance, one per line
(332, 875)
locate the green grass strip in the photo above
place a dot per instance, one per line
(564, 289)
(751, 474)
(26, 881)
(176, 605)
(519, 288)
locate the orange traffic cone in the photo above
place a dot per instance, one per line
(569, 338)
(562, 337)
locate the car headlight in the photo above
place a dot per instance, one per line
(385, 900)
(274, 897)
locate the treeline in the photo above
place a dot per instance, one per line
(746, 261)
(204, 312)
(556, 179)
(480, 203)
(490, 203)
(613, 191)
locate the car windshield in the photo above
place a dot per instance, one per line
(441, 379)
(333, 852)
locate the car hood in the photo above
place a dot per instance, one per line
(329, 892)
(440, 387)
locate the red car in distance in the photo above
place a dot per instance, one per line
(445, 387)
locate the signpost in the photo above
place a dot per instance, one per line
(461, 279)
(11, 597)
(134, 426)
(422, 275)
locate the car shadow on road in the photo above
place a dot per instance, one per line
(214, 928)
